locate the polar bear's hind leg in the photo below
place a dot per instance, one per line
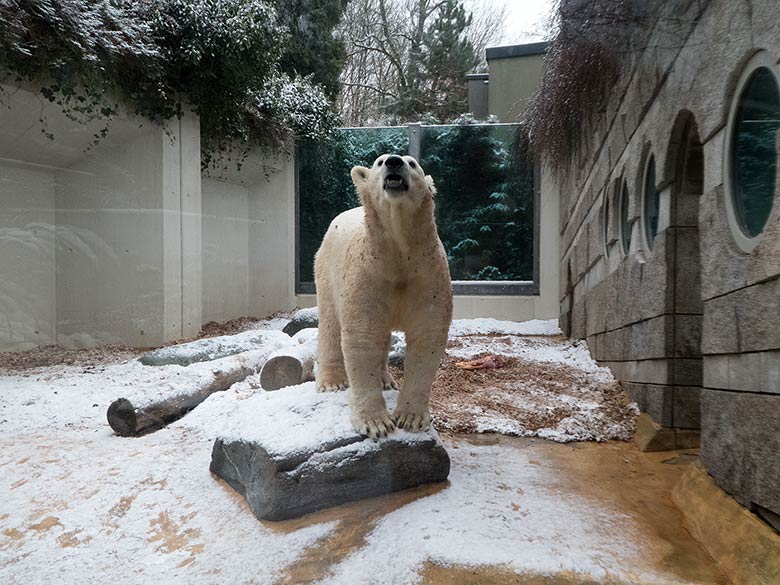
(388, 383)
(423, 353)
(331, 374)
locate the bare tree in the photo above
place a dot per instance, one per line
(385, 79)
(487, 27)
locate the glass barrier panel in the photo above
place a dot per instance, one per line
(325, 187)
(485, 200)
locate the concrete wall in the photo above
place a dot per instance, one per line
(98, 241)
(124, 233)
(27, 256)
(515, 73)
(247, 239)
(478, 90)
(129, 241)
(687, 326)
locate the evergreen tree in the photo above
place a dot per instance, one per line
(449, 56)
(312, 49)
(433, 88)
(484, 209)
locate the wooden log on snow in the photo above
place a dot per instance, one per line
(129, 420)
(289, 366)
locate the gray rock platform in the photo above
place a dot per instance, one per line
(293, 451)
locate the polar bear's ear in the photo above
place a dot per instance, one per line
(431, 186)
(359, 175)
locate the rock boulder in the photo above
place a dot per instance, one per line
(293, 451)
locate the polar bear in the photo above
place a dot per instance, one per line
(382, 267)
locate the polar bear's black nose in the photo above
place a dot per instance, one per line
(394, 162)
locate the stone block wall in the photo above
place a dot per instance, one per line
(690, 326)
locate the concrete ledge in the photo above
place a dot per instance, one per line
(746, 549)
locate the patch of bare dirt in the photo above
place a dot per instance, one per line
(56, 355)
(529, 397)
(238, 325)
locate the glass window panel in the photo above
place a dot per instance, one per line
(484, 206)
(753, 151)
(625, 226)
(652, 203)
(324, 184)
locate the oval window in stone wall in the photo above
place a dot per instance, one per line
(652, 203)
(753, 151)
(625, 226)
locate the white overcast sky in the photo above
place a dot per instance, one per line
(525, 19)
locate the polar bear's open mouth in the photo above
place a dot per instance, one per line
(396, 183)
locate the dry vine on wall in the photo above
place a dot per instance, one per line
(596, 41)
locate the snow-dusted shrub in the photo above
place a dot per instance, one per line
(219, 57)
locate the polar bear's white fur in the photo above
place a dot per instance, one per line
(382, 267)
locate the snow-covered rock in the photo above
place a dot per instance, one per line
(305, 456)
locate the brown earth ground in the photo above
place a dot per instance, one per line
(637, 484)
(57, 355)
(525, 391)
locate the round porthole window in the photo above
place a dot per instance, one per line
(625, 226)
(652, 203)
(752, 158)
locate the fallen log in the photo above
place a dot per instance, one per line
(303, 319)
(212, 348)
(129, 420)
(289, 366)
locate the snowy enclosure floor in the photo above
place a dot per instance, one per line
(82, 505)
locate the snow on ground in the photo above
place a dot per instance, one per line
(486, 325)
(78, 397)
(85, 506)
(81, 504)
(574, 354)
(515, 518)
(550, 387)
(89, 507)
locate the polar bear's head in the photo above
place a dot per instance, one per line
(394, 180)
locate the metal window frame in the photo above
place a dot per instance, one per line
(459, 287)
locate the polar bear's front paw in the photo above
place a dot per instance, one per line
(374, 424)
(388, 383)
(331, 381)
(412, 421)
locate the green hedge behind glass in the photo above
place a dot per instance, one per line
(324, 185)
(484, 205)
